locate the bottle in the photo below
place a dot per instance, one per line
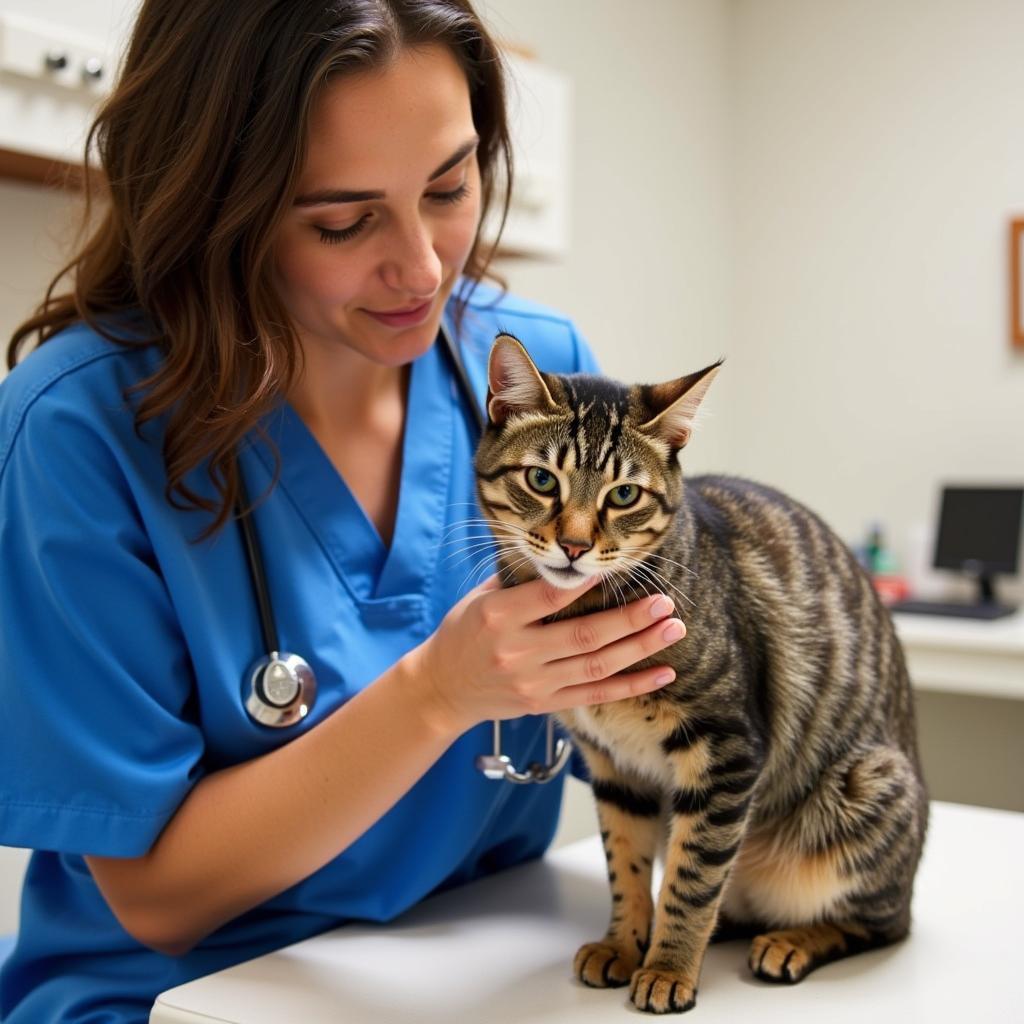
(874, 549)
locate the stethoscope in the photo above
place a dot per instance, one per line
(279, 688)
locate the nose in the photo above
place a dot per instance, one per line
(413, 266)
(575, 548)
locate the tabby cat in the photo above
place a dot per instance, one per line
(778, 776)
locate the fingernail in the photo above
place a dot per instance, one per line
(660, 607)
(664, 677)
(673, 631)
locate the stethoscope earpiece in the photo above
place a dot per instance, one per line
(279, 689)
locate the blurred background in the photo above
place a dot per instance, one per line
(819, 190)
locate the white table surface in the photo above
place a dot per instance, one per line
(499, 951)
(969, 656)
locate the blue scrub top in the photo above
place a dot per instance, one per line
(124, 648)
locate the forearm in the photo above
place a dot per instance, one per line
(295, 809)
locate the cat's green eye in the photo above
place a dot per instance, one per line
(624, 495)
(542, 481)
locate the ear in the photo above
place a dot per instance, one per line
(676, 403)
(514, 384)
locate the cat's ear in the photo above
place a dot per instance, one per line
(514, 383)
(676, 403)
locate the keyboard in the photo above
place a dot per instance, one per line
(956, 610)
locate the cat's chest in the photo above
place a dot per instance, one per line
(631, 731)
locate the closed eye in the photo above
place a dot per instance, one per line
(456, 195)
(334, 236)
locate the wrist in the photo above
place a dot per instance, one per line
(421, 691)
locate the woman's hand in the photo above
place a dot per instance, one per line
(493, 656)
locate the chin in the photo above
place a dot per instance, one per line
(567, 578)
(401, 348)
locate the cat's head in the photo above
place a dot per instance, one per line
(578, 475)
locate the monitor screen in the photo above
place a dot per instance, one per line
(979, 529)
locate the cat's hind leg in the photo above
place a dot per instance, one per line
(836, 876)
(631, 826)
(791, 954)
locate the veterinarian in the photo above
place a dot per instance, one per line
(251, 325)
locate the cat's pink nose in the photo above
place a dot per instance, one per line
(575, 548)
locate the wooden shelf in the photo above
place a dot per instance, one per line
(39, 170)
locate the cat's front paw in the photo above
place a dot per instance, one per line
(604, 965)
(655, 991)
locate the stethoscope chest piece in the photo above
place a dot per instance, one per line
(279, 689)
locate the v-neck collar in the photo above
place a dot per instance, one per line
(369, 569)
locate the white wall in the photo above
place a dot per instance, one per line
(879, 156)
(35, 235)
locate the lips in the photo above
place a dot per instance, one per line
(400, 312)
(408, 317)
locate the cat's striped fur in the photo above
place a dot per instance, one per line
(778, 775)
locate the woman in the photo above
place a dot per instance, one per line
(296, 192)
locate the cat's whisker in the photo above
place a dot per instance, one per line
(662, 558)
(489, 558)
(481, 562)
(486, 519)
(495, 524)
(661, 581)
(479, 538)
(657, 578)
(643, 584)
(487, 550)
(511, 567)
(620, 597)
(498, 524)
(475, 537)
(491, 524)
(628, 580)
(480, 567)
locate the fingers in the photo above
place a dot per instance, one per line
(618, 687)
(591, 632)
(597, 665)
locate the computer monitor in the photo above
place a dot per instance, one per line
(980, 533)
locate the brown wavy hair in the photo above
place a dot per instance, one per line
(201, 143)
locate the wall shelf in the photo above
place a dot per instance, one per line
(39, 170)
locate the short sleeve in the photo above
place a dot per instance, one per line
(98, 745)
(586, 362)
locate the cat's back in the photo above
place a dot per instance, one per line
(767, 534)
(829, 643)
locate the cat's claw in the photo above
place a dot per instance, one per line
(602, 965)
(655, 991)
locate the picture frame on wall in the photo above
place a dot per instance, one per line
(1017, 282)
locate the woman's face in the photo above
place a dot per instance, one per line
(386, 209)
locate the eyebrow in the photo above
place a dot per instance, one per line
(326, 196)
